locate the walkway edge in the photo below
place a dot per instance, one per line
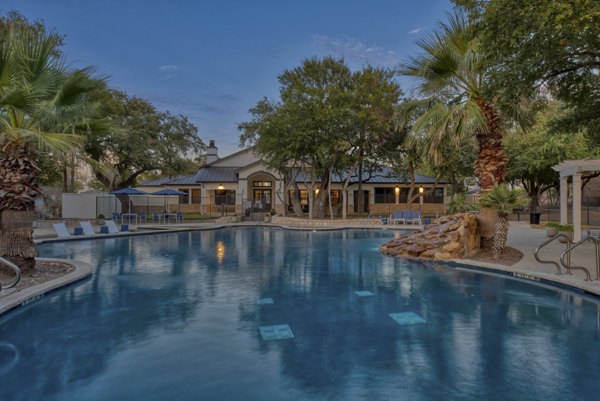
(31, 294)
(564, 281)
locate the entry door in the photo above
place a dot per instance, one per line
(264, 196)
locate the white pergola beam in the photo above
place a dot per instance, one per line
(573, 168)
(576, 207)
(564, 197)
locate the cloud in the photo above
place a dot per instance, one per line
(414, 31)
(168, 71)
(357, 50)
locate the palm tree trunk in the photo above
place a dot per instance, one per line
(491, 162)
(501, 235)
(490, 166)
(18, 189)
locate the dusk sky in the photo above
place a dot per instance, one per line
(213, 60)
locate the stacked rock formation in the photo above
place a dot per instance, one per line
(450, 237)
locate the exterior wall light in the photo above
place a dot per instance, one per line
(220, 186)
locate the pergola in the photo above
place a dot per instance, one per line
(573, 168)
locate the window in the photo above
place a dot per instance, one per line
(184, 199)
(336, 195)
(437, 196)
(404, 194)
(263, 184)
(225, 197)
(385, 195)
(196, 196)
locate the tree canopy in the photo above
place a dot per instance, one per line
(543, 46)
(327, 119)
(139, 139)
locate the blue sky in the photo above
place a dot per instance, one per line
(213, 60)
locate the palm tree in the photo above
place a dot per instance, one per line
(40, 99)
(503, 200)
(452, 75)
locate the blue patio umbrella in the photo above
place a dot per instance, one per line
(128, 192)
(168, 192)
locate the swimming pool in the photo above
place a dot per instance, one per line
(190, 316)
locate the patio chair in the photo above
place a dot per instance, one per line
(397, 217)
(116, 216)
(143, 217)
(155, 217)
(87, 228)
(61, 230)
(179, 217)
(414, 217)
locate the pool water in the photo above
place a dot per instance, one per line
(271, 314)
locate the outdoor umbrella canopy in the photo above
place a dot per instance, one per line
(168, 192)
(127, 192)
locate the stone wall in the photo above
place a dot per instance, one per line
(450, 237)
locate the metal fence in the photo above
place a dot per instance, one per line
(590, 214)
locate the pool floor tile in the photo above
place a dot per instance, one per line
(265, 301)
(406, 318)
(276, 332)
(364, 293)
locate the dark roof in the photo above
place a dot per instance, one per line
(179, 180)
(185, 180)
(383, 176)
(216, 174)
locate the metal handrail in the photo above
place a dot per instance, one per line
(16, 270)
(587, 272)
(551, 262)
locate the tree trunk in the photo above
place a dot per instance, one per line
(295, 199)
(490, 166)
(501, 235)
(18, 189)
(329, 197)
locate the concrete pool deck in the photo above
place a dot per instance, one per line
(521, 236)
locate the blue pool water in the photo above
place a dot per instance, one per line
(270, 314)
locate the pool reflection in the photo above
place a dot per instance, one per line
(180, 311)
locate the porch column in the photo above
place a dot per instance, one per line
(564, 196)
(576, 207)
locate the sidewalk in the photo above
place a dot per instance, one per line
(526, 239)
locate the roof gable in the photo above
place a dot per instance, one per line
(238, 159)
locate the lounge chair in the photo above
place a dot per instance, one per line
(87, 228)
(61, 230)
(112, 227)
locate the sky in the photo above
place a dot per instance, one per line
(212, 60)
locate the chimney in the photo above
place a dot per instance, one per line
(211, 152)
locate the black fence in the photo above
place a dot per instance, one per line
(590, 214)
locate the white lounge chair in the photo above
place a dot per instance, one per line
(112, 227)
(61, 230)
(87, 228)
